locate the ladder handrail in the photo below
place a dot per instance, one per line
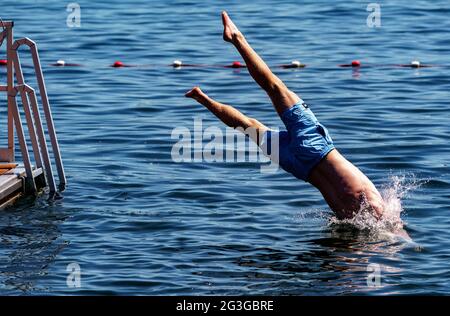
(34, 123)
(26, 106)
(29, 92)
(32, 116)
(3, 34)
(45, 103)
(31, 185)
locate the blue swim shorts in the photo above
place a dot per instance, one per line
(305, 143)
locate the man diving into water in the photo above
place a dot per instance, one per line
(306, 149)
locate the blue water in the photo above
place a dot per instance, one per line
(138, 223)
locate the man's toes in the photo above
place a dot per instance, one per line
(224, 17)
(193, 92)
(188, 94)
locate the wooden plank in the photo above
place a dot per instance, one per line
(11, 184)
(8, 165)
(6, 178)
(2, 171)
(11, 200)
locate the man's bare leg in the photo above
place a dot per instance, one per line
(282, 98)
(228, 114)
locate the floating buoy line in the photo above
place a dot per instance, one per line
(236, 64)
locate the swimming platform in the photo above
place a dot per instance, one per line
(34, 173)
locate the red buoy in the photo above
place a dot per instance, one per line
(3, 62)
(356, 63)
(118, 64)
(236, 64)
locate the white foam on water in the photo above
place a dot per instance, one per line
(390, 226)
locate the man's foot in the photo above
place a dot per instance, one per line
(195, 93)
(230, 31)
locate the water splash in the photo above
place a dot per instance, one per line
(391, 225)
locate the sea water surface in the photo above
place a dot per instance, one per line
(136, 222)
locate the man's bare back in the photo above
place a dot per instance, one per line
(345, 188)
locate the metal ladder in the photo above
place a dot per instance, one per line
(32, 115)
